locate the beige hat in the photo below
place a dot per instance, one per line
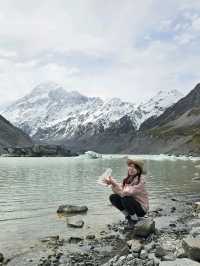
(137, 162)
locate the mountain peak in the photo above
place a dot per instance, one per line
(45, 87)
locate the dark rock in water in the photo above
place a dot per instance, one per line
(173, 209)
(192, 248)
(72, 209)
(173, 199)
(1, 257)
(145, 227)
(75, 223)
(90, 237)
(179, 262)
(75, 240)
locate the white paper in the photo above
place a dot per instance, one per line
(104, 176)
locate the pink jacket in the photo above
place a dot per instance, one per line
(137, 191)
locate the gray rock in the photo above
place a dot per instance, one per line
(134, 245)
(150, 246)
(169, 257)
(180, 262)
(150, 262)
(145, 227)
(130, 257)
(121, 260)
(155, 260)
(72, 222)
(192, 248)
(72, 209)
(196, 208)
(143, 254)
(160, 251)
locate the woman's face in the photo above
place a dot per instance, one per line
(132, 170)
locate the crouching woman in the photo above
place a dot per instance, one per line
(130, 196)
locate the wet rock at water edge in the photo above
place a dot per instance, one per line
(75, 223)
(67, 209)
(144, 227)
(74, 239)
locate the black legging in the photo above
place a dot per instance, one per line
(127, 203)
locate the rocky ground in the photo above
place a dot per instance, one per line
(166, 237)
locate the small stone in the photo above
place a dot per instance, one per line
(129, 257)
(160, 252)
(134, 245)
(75, 223)
(121, 260)
(135, 254)
(150, 263)
(196, 208)
(143, 254)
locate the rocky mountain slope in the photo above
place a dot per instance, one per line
(49, 113)
(177, 130)
(12, 136)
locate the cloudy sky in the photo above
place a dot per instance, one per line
(109, 48)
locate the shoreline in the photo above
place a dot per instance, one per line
(110, 246)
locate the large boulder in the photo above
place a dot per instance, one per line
(192, 248)
(144, 227)
(67, 209)
(179, 262)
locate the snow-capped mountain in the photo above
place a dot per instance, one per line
(49, 112)
(158, 104)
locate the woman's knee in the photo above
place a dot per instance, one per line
(113, 198)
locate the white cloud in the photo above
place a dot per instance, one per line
(113, 48)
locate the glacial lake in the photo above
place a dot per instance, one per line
(31, 189)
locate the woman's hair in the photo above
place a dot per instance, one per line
(127, 179)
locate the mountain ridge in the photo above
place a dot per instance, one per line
(50, 113)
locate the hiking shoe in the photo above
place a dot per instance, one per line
(131, 224)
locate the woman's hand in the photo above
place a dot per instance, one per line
(108, 180)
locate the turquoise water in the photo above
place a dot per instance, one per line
(31, 189)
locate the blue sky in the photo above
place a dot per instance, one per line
(109, 48)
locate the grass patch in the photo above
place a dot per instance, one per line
(168, 132)
(196, 139)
